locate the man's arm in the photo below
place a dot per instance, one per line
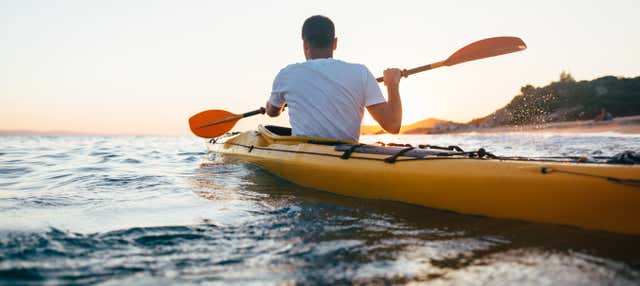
(389, 114)
(272, 110)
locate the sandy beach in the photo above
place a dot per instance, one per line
(625, 125)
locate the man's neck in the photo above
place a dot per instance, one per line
(320, 54)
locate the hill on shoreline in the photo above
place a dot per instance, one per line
(420, 127)
(568, 100)
(560, 101)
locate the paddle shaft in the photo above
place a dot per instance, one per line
(252, 113)
(406, 73)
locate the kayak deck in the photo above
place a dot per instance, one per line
(577, 194)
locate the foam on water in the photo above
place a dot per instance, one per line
(148, 210)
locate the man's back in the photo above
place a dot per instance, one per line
(326, 97)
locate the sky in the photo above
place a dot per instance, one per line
(144, 67)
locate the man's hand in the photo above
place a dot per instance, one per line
(392, 77)
(273, 111)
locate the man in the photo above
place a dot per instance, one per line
(326, 97)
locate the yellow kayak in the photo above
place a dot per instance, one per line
(590, 195)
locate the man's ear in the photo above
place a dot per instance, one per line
(335, 43)
(305, 45)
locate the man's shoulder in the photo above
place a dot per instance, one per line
(288, 71)
(327, 65)
(359, 65)
(349, 64)
(290, 67)
(355, 67)
(324, 62)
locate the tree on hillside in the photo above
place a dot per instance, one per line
(566, 77)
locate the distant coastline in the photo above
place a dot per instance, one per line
(71, 133)
(43, 133)
(625, 125)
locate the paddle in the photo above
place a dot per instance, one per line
(213, 123)
(482, 49)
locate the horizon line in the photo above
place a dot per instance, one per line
(32, 132)
(27, 132)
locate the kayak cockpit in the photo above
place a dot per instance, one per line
(278, 130)
(282, 135)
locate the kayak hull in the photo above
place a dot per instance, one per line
(494, 188)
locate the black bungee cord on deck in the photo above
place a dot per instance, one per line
(627, 157)
(480, 153)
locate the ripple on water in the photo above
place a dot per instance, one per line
(92, 169)
(107, 158)
(131, 161)
(54, 156)
(74, 181)
(17, 171)
(192, 153)
(191, 159)
(60, 176)
(134, 181)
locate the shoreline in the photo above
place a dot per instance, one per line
(624, 125)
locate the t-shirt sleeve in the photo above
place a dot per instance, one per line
(278, 90)
(372, 93)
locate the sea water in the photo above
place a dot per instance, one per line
(155, 210)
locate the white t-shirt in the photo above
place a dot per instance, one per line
(326, 97)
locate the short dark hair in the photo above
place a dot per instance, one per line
(319, 31)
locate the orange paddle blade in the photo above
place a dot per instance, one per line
(212, 123)
(486, 48)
